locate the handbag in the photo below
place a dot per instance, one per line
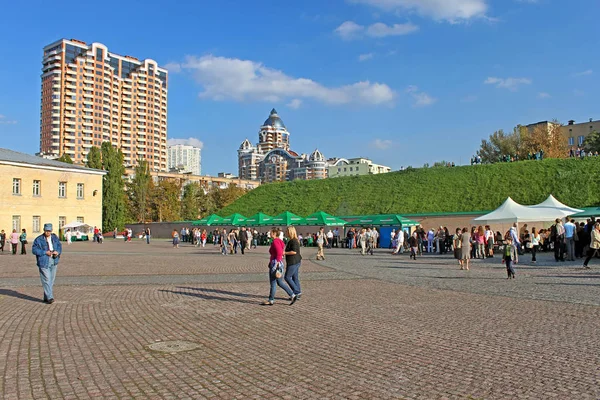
(277, 268)
(529, 245)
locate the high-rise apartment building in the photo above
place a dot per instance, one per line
(185, 159)
(91, 96)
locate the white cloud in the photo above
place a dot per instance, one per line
(187, 142)
(421, 99)
(350, 30)
(245, 80)
(544, 95)
(5, 121)
(381, 144)
(295, 104)
(173, 67)
(452, 11)
(583, 73)
(365, 57)
(507, 83)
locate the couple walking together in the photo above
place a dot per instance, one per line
(293, 259)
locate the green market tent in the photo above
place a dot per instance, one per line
(287, 219)
(394, 220)
(212, 219)
(322, 218)
(232, 220)
(258, 219)
(383, 220)
(588, 212)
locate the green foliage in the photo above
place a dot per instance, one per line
(94, 158)
(592, 142)
(468, 188)
(224, 197)
(65, 158)
(139, 190)
(113, 193)
(165, 200)
(190, 202)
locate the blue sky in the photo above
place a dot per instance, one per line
(403, 82)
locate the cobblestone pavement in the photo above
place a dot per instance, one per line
(372, 327)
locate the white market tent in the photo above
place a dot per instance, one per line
(78, 226)
(561, 210)
(511, 211)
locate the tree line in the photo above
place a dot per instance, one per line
(141, 199)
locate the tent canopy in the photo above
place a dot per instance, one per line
(511, 211)
(258, 219)
(76, 225)
(232, 220)
(383, 220)
(588, 212)
(552, 203)
(321, 218)
(212, 219)
(287, 219)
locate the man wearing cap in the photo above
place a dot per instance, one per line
(47, 249)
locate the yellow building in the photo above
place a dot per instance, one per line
(36, 191)
(576, 133)
(355, 166)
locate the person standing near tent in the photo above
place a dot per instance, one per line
(321, 241)
(399, 242)
(535, 244)
(430, 236)
(558, 238)
(243, 240)
(570, 239)
(489, 240)
(457, 245)
(515, 238)
(68, 236)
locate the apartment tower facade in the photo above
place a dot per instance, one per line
(91, 96)
(185, 159)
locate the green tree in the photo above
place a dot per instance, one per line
(592, 142)
(190, 209)
(223, 197)
(166, 200)
(65, 158)
(113, 193)
(138, 190)
(94, 158)
(500, 144)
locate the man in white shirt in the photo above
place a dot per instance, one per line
(570, 228)
(400, 240)
(430, 236)
(329, 238)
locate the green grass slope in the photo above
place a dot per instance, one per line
(471, 188)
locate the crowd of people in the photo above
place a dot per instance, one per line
(14, 239)
(581, 153)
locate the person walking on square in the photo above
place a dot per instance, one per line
(535, 244)
(275, 263)
(293, 259)
(413, 242)
(321, 241)
(594, 245)
(23, 240)
(224, 242)
(243, 240)
(14, 241)
(457, 246)
(2, 240)
(510, 256)
(465, 245)
(147, 235)
(47, 250)
(175, 237)
(362, 241)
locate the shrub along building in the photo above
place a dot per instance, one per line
(47, 191)
(272, 159)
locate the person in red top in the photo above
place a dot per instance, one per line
(276, 251)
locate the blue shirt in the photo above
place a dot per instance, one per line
(569, 229)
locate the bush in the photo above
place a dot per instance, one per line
(460, 189)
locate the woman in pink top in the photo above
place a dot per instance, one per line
(480, 237)
(14, 241)
(276, 251)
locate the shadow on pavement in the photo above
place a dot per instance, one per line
(225, 292)
(219, 298)
(12, 293)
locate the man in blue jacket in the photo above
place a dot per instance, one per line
(47, 249)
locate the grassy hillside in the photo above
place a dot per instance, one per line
(470, 188)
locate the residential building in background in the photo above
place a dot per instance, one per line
(185, 159)
(272, 159)
(205, 181)
(355, 166)
(90, 96)
(576, 133)
(47, 191)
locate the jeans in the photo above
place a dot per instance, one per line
(570, 249)
(14, 247)
(147, 239)
(291, 277)
(23, 248)
(510, 270)
(278, 281)
(47, 276)
(559, 252)
(430, 245)
(481, 250)
(243, 246)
